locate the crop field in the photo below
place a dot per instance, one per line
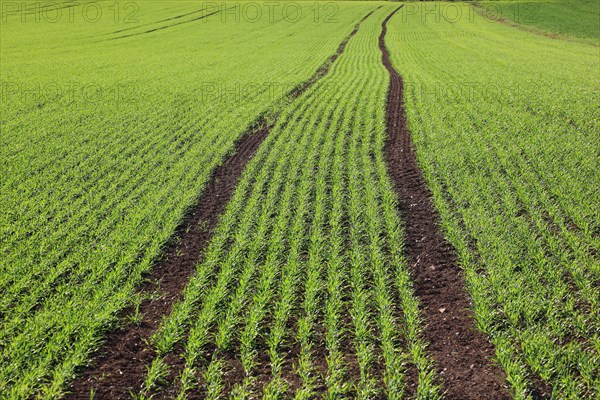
(349, 199)
(514, 186)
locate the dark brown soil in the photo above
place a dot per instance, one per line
(121, 363)
(463, 356)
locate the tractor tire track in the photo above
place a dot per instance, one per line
(120, 365)
(324, 68)
(155, 22)
(463, 356)
(168, 26)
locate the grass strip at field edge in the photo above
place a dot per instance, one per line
(480, 8)
(462, 354)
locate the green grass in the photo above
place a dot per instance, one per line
(575, 19)
(91, 190)
(506, 129)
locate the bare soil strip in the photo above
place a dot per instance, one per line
(463, 356)
(121, 363)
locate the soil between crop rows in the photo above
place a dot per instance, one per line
(463, 356)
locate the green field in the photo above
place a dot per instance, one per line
(512, 159)
(569, 19)
(114, 117)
